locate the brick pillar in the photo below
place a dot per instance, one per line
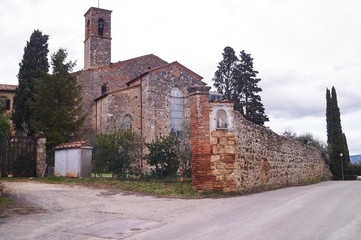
(40, 156)
(203, 179)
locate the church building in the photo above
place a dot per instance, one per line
(144, 93)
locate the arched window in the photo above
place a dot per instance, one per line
(104, 88)
(222, 119)
(127, 121)
(6, 102)
(176, 110)
(88, 28)
(100, 26)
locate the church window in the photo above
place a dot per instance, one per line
(127, 121)
(6, 103)
(222, 119)
(104, 88)
(88, 27)
(176, 110)
(100, 26)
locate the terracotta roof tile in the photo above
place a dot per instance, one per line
(8, 87)
(78, 144)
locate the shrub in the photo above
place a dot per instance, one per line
(309, 139)
(354, 169)
(350, 177)
(5, 125)
(117, 152)
(163, 155)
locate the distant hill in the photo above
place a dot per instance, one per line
(355, 159)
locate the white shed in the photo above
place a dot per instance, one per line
(73, 159)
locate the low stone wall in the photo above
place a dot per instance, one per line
(267, 160)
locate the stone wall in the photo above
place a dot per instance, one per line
(267, 160)
(111, 109)
(244, 156)
(156, 90)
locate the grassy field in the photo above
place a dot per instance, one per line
(161, 187)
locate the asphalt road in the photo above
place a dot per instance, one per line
(328, 210)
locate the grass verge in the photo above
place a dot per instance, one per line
(161, 187)
(4, 203)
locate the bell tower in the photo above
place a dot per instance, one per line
(97, 43)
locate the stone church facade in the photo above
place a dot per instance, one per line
(145, 93)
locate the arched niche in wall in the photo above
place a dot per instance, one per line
(222, 119)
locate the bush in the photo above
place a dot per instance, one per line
(350, 177)
(354, 169)
(163, 156)
(308, 139)
(117, 152)
(5, 125)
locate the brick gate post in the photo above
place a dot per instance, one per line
(202, 177)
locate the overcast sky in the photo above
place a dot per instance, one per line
(300, 47)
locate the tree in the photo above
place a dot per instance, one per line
(246, 90)
(57, 103)
(117, 151)
(224, 76)
(164, 155)
(237, 81)
(309, 139)
(34, 65)
(336, 139)
(5, 125)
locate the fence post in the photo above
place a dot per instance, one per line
(40, 155)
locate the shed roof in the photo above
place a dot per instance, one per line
(78, 144)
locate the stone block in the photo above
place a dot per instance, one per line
(215, 158)
(213, 140)
(223, 141)
(231, 143)
(217, 149)
(229, 149)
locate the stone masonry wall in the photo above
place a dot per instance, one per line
(223, 144)
(156, 89)
(245, 156)
(267, 160)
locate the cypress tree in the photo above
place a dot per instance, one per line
(34, 65)
(57, 103)
(336, 139)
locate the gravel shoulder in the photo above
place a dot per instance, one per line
(43, 210)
